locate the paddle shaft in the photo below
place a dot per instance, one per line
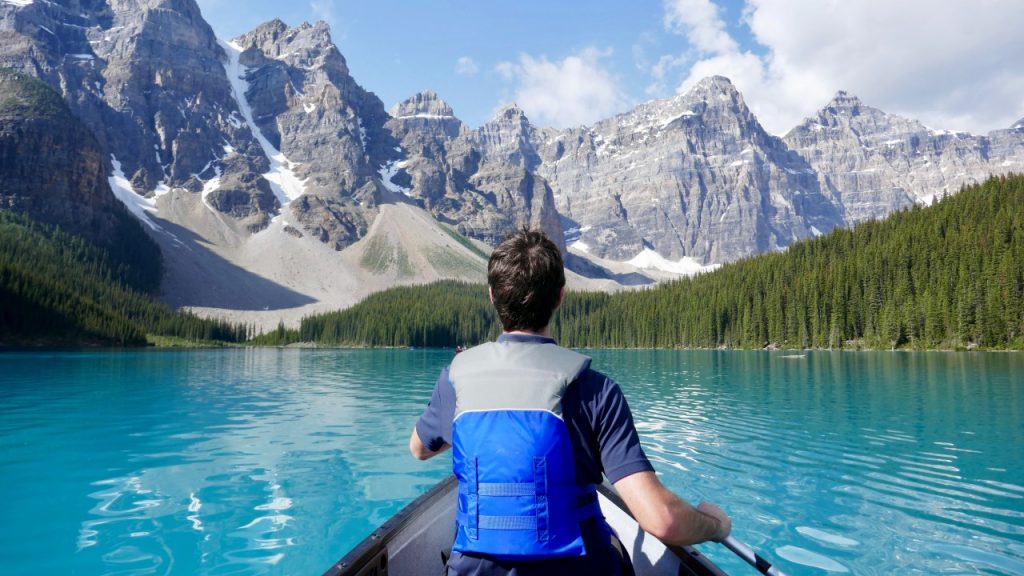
(750, 557)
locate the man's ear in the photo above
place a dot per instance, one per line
(490, 294)
(561, 296)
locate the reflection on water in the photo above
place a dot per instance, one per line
(870, 463)
(277, 461)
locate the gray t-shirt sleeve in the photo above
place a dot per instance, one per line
(434, 426)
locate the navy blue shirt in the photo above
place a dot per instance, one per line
(604, 441)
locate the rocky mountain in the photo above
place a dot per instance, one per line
(484, 182)
(695, 176)
(274, 182)
(248, 125)
(147, 77)
(872, 163)
(322, 133)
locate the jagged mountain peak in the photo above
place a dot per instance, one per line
(132, 12)
(425, 104)
(507, 138)
(714, 96)
(318, 32)
(847, 110)
(307, 46)
(509, 112)
(843, 97)
(846, 113)
(660, 114)
(715, 92)
(275, 28)
(715, 85)
(844, 102)
(508, 124)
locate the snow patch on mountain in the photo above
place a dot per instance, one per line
(389, 171)
(283, 181)
(686, 114)
(139, 206)
(685, 266)
(581, 246)
(427, 116)
(211, 186)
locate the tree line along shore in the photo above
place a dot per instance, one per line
(946, 276)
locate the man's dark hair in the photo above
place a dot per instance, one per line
(525, 274)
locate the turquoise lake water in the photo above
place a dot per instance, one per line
(274, 461)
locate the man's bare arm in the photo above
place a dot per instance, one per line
(668, 517)
(419, 450)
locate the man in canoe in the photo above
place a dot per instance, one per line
(533, 428)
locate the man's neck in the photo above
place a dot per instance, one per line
(545, 332)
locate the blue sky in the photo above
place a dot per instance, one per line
(575, 62)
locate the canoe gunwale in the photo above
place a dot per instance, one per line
(690, 558)
(371, 555)
(369, 550)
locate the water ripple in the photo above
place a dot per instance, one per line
(861, 474)
(276, 461)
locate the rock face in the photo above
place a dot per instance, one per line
(250, 125)
(147, 77)
(694, 176)
(53, 170)
(484, 181)
(872, 163)
(327, 130)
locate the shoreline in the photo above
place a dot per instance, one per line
(211, 345)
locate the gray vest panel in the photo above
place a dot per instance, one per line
(514, 376)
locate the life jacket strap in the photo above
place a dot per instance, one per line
(507, 489)
(588, 506)
(508, 522)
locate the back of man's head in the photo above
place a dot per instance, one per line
(526, 277)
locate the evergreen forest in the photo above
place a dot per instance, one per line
(58, 289)
(946, 276)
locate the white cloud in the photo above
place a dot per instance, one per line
(660, 70)
(507, 70)
(574, 91)
(952, 65)
(699, 20)
(466, 66)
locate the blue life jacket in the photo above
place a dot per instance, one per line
(518, 496)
